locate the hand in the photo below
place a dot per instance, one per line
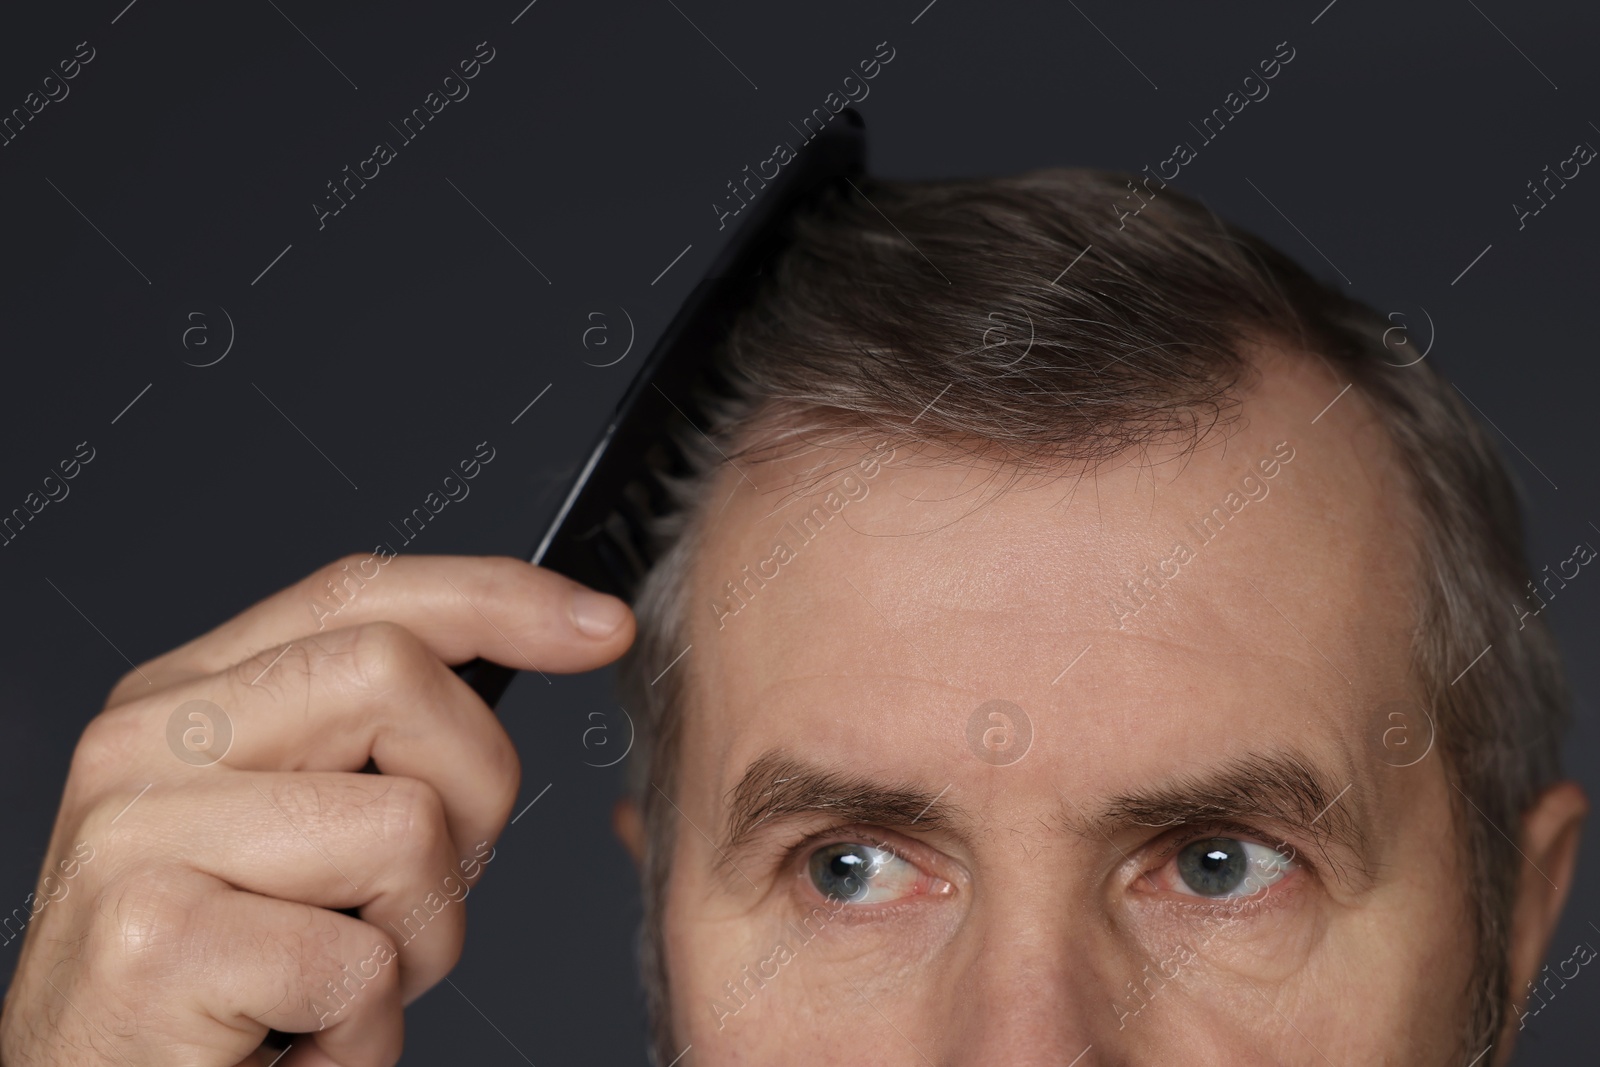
(188, 902)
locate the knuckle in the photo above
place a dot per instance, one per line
(355, 984)
(385, 656)
(411, 814)
(341, 958)
(106, 745)
(142, 929)
(126, 829)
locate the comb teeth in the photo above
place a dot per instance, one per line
(618, 554)
(666, 460)
(621, 541)
(625, 542)
(629, 525)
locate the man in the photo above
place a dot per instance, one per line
(1085, 642)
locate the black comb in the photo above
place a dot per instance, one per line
(599, 535)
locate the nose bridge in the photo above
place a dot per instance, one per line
(1027, 996)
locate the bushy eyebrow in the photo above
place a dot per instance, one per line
(1283, 788)
(778, 786)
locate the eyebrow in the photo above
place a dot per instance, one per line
(1280, 788)
(777, 786)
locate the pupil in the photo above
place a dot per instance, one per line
(1213, 867)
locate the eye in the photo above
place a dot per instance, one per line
(1226, 867)
(861, 874)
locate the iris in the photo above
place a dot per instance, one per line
(1215, 866)
(842, 871)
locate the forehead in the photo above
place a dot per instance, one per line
(1163, 608)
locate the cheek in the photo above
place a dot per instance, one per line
(732, 997)
(1268, 944)
(758, 984)
(707, 946)
(1279, 985)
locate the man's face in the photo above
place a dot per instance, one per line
(952, 791)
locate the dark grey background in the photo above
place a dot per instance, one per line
(416, 324)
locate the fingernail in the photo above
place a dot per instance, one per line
(597, 614)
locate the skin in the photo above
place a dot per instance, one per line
(187, 908)
(198, 902)
(1010, 926)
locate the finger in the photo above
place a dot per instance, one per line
(332, 703)
(373, 842)
(500, 608)
(223, 967)
(330, 979)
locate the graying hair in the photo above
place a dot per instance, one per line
(856, 329)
